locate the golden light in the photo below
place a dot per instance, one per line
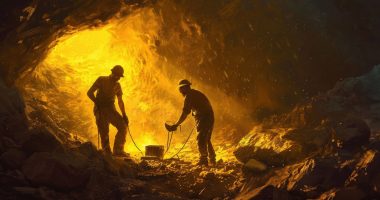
(149, 87)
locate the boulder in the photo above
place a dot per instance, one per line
(13, 158)
(41, 140)
(351, 133)
(365, 169)
(62, 171)
(268, 146)
(87, 149)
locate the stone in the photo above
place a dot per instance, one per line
(41, 140)
(87, 149)
(255, 165)
(62, 171)
(13, 159)
(351, 133)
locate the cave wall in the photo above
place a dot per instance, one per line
(269, 54)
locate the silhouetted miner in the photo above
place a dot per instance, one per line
(107, 87)
(197, 103)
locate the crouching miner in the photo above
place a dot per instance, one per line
(107, 87)
(197, 103)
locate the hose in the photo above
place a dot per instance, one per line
(129, 131)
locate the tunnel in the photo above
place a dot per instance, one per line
(290, 84)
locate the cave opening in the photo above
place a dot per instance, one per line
(57, 87)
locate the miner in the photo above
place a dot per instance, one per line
(107, 88)
(197, 103)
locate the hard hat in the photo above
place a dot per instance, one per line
(184, 82)
(118, 70)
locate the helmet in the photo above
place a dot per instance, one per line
(184, 82)
(118, 70)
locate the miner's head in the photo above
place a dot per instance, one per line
(184, 87)
(117, 72)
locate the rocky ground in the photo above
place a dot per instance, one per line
(326, 148)
(42, 167)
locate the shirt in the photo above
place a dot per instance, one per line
(107, 90)
(197, 102)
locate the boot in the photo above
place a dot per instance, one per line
(203, 162)
(121, 154)
(212, 161)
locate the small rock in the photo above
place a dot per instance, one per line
(255, 165)
(12, 159)
(87, 149)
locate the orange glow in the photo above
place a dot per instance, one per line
(149, 87)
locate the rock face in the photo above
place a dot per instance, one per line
(13, 158)
(337, 135)
(61, 171)
(41, 140)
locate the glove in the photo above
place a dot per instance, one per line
(171, 128)
(125, 118)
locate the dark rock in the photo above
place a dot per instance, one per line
(13, 158)
(351, 133)
(87, 149)
(320, 176)
(267, 192)
(12, 179)
(62, 171)
(41, 140)
(365, 169)
(268, 146)
(351, 193)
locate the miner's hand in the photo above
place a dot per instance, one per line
(125, 118)
(171, 128)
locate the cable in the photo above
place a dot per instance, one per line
(184, 144)
(129, 131)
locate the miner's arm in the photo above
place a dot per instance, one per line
(122, 108)
(182, 118)
(185, 112)
(91, 91)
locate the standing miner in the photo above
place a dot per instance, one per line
(107, 88)
(197, 103)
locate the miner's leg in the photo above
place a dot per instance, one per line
(103, 129)
(202, 146)
(117, 120)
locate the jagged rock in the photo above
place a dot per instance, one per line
(365, 169)
(63, 171)
(311, 139)
(255, 165)
(321, 175)
(13, 158)
(13, 121)
(267, 192)
(352, 133)
(351, 193)
(87, 149)
(211, 186)
(41, 140)
(268, 146)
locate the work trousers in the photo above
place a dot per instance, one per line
(105, 116)
(205, 126)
